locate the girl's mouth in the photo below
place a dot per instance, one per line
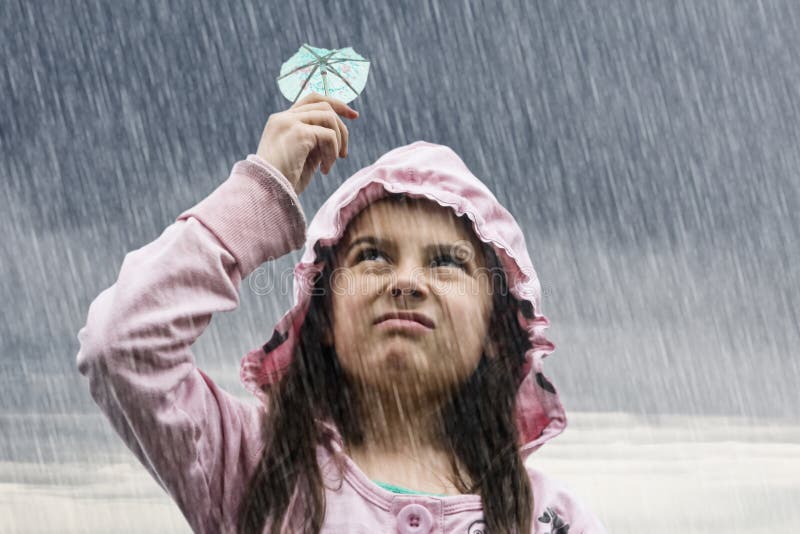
(416, 317)
(403, 325)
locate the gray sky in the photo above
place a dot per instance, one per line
(649, 150)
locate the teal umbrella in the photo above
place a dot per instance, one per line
(340, 73)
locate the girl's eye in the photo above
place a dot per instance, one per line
(451, 259)
(371, 253)
(367, 253)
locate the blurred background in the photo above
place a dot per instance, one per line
(648, 149)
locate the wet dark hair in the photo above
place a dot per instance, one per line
(478, 423)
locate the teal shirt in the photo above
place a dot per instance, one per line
(398, 489)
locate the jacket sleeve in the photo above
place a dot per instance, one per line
(199, 442)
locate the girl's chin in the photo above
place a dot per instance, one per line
(400, 360)
(397, 365)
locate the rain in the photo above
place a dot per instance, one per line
(648, 150)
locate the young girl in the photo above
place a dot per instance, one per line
(401, 393)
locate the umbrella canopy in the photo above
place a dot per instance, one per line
(339, 73)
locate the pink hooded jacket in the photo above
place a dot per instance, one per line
(202, 444)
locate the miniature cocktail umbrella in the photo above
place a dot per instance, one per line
(340, 73)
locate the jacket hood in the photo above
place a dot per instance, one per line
(436, 172)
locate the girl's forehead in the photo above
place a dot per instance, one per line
(410, 217)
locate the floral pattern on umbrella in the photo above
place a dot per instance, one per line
(339, 73)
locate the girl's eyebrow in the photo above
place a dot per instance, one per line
(368, 239)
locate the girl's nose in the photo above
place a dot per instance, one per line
(398, 291)
(407, 282)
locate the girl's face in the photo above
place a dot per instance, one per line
(415, 257)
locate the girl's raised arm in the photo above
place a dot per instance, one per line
(199, 442)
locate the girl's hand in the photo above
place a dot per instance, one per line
(307, 135)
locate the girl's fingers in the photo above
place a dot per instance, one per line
(345, 138)
(325, 117)
(327, 144)
(324, 106)
(338, 106)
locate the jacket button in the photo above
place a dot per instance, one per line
(414, 519)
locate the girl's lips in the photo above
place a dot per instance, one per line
(404, 325)
(409, 316)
